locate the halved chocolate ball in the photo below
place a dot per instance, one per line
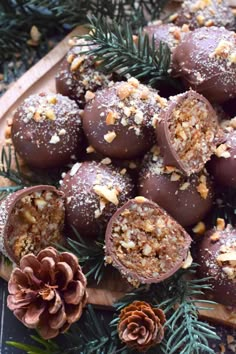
(222, 165)
(78, 77)
(188, 132)
(186, 199)
(166, 32)
(93, 193)
(30, 220)
(217, 259)
(144, 243)
(47, 130)
(199, 13)
(206, 61)
(119, 121)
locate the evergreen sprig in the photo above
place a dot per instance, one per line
(91, 256)
(52, 16)
(116, 50)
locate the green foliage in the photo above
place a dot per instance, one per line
(90, 255)
(52, 16)
(115, 48)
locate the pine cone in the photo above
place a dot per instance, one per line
(141, 326)
(48, 291)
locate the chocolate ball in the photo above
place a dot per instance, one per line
(217, 259)
(199, 13)
(93, 193)
(223, 164)
(30, 220)
(186, 199)
(78, 77)
(166, 32)
(188, 132)
(119, 121)
(144, 243)
(206, 61)
(47, 130)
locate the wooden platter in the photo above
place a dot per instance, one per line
(41, 78)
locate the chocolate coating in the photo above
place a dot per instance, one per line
(188, 132)
(21, 229)
(118, 122)
(78, 74)
(199, 13)
(186, 199)
(210, 258)
(47, 131)
(144, 243)
(166, 32)
(93, 193)
(206, 61)
(223, 166)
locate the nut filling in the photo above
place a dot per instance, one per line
(35, 222)
(192, 134)
(147, 242)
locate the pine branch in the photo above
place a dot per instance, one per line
(91, 257)
(53, 16)
(115, 48)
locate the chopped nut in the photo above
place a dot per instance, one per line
(200, 19)
(230, 339)
(127, 245)
(177, 34)
(227, 257)
(123, 171)
(106, 193)
(35, 34)
(106, 161)
(200, 228)
(147, 250)
(169, 169)
(76, 63)
(175, 177)
(215, 237)
(28, 217)
(90, 149)
(52, 99)
(223, 49)
(110, 136)
(232, 58)
(140, 199)
(184, 186)
(50, 114)
(89, 96)
(110, 118)
(221, 149)
(220, 224)
(54, 139)
(62, 132)
(40, 203)
(132, 165)
(124, 91)
(222, 348)
(134, 82)
(70, 58)
(173, 17)
(37, 116)
(209, 23)
(203, 190)
(144, 94)
(108, 259)
(74, 169)
(188, 261)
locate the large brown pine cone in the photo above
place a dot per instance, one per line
(47, 291)
(141, 326)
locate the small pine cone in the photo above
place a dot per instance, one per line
(47, 291)
(141, 326)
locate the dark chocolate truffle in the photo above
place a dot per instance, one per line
(166, 32)
(223, 164)
(186, 199)
(78, 77)
(199, 13)
(93, 193)
(206, 61)
(144, 243)
(217, 259)
(188, 132)
(30, 220)
(47, 130)
(119, 121)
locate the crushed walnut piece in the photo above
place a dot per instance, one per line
(200, 228)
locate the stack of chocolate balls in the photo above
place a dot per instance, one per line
(141, 169)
